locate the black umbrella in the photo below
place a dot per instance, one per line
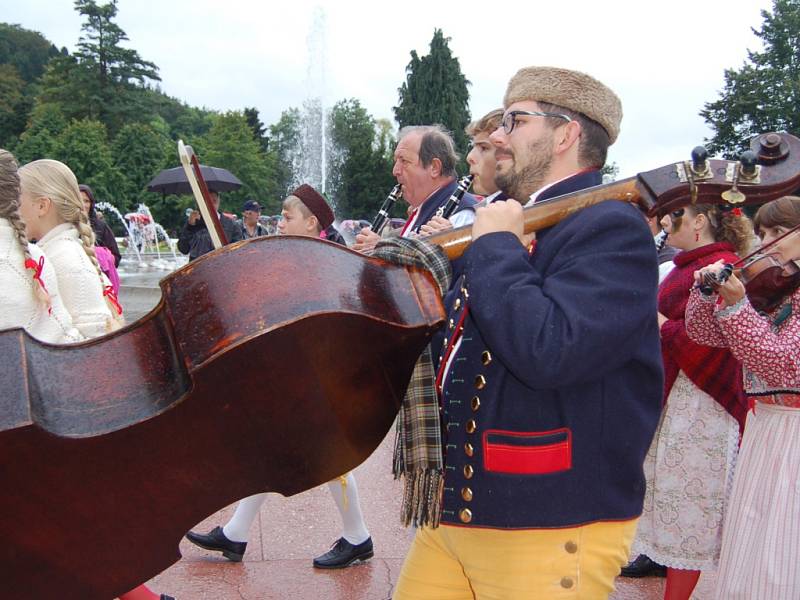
(173, 181)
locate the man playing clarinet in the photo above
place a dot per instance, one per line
(425, 165)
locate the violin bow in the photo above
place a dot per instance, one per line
(191, 167)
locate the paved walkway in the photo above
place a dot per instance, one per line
(291, 531)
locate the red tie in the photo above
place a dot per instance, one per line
(409, 221)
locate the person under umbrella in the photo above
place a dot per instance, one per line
(194, 238)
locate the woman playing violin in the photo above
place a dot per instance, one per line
(762, 526)
(691, 458)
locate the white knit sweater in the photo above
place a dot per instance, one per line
(21, 307)
(80, 284)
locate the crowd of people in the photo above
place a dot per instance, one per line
(593, 397)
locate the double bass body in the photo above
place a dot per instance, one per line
(127, 441)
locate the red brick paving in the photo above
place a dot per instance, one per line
(291, 531)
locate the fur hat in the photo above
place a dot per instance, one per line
(315, 203)
(571, 89)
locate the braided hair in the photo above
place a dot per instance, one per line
(9, 210)
(54, 180)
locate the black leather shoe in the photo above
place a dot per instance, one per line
(165, 597)
(642, 566)
(216, 540)
(343, 554)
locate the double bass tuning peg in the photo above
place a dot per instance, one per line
(700, 167)
(748, 169)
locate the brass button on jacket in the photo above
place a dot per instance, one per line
(468, 471)
(468, 449)
(567, 582)
(471, 426)
(476, 403)
(465, 515)
(466, 494)
(571, 547)
(457, 305)
(486, 357)
(480, 382)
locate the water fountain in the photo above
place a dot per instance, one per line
(145, 233)
(143, 264)
(107, 206)
(310, 162)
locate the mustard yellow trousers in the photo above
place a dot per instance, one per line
(466, 563)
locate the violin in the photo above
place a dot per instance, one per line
(767, 280)
(130, 439)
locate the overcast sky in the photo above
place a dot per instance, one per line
(664, 59)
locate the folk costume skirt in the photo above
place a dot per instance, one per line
(689, 470)
(761, 538)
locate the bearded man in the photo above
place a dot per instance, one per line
(549, 377)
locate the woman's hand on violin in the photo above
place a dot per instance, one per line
(712, 269)
(731, 291)
(499, 216)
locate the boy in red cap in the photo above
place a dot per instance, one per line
(305, 212)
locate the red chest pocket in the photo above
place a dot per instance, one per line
(527, 452)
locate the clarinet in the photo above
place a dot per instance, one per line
(661, 240)
(379, 222)
(449, 207)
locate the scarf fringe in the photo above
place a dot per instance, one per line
(422, 494)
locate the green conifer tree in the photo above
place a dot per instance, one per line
(435, 91)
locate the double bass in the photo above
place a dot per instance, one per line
(129, 440)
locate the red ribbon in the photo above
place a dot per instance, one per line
(37, 274)
(737, 212)
(108, 292)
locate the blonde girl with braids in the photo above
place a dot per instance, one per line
(52, 208)
(28, 287)
(689, 467)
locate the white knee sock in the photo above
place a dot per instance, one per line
(238, 528)
(354, 530)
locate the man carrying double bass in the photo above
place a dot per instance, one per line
(548, 372)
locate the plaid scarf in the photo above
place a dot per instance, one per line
(713, 370)
(418, 440)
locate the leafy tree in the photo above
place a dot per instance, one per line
(39, 140)
(285, 139)
(764, 95)
(83, 147)
(27, 51)
(139, 152)
(12, 109)
(23, 56)
(359, 174)
(184, 121)
(435, 91)
(103, 80)
(229, 144)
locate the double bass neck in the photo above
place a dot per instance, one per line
(454, 242)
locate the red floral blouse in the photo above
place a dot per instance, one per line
(768, 345)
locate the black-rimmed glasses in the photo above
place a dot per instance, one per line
(510, 118)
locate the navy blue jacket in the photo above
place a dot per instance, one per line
(437, 199)
(551, 402)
